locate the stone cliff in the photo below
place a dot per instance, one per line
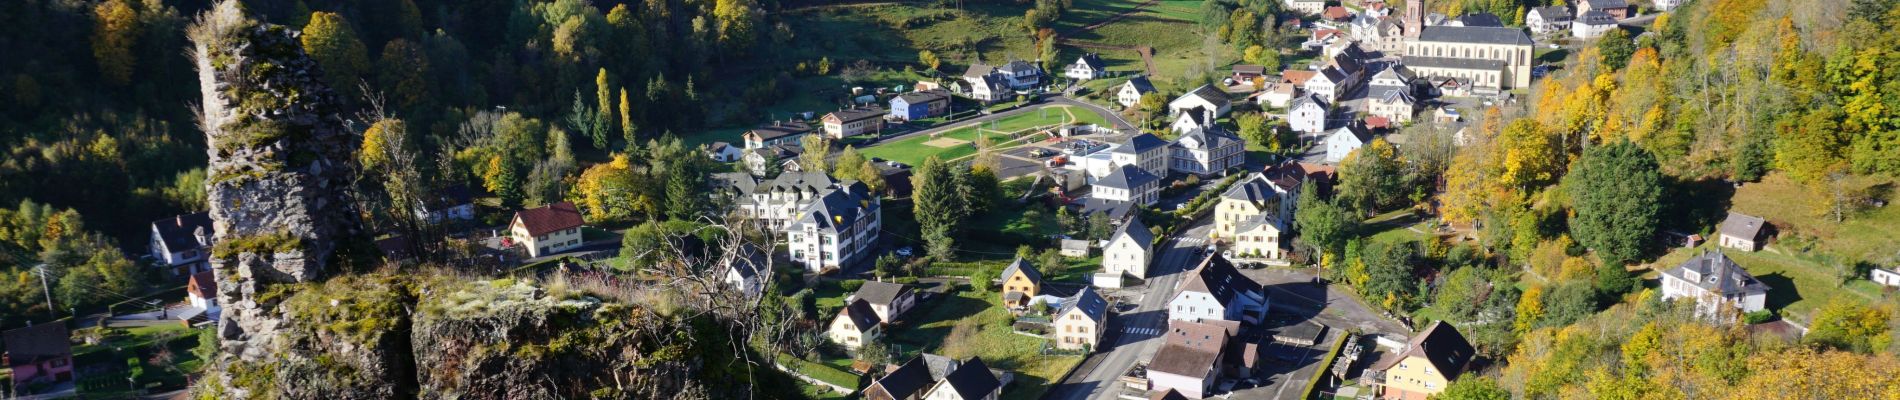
(302, 322)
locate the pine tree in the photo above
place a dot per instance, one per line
(1617, 193)
(683, 199)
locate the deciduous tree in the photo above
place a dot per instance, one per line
(333, 43)
(1617, 193)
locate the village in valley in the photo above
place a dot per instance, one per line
(1129, 205)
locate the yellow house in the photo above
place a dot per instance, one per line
(1080, 323)
(855, 325)
(1427, 364)
(1252, 197)
(1021, 282)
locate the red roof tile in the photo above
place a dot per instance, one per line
(553, 217)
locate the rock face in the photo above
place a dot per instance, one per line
(298, 325)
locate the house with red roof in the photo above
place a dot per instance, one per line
(549, 229)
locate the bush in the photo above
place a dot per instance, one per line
(851, 285)
(1758, 316)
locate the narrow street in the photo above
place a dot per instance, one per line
(1135, 335)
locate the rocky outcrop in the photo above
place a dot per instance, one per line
(299, 324)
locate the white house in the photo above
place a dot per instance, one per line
(1740, 231)
(888, 300)
(1885, 277)
(825, 222)
(1307, 114)
(1548, 20)
(1128, 184)
(1277, 95)
(1665, 5)
(1344, 140)
(1189, 121)
(1129, 251)
(1715, 283)
(1206, 150)
(1592, 24)
(972, 380)
(1131, 92)
(181, 244)
(1190, 360)
(1208, 98)
(1326, 84)
(1142, 150)
(450, 203)
(549, 229)
(723, 152)
(1088, 66)
(747, 273)
(854, 325)
(988, 88)
(1215, 290)
(1395, 104)
(201, 292)
(1020, 74)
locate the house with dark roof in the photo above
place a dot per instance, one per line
(39, 354)
(1478, 19)
(1130, 250)
(1618, 9)
(1215, 290)
(1020, 74)
(972, 380)
(1591, 24)
(1548, 20)
(1306, 114)
(777, 132)
(836, 229)
(782, 157)
(1021, 282)
(889, 300)
(1130, 93)
(1209, 99)
(855, 325)
(1246, 73)
(1191, 120)
(1206, 150)
(548, 229)
(1080, 322)
(1191, 359)
(1716, 284)
(1344, 141)
(723, 152)
(1426, 365)
(1144, 150)
(181, 244)
(1127, 184)
(1740, 231)
(1088, 66)
(1251, 215)
(454, 202)
(920, 104)
(853, 121)
(910, 380)
(747, 271)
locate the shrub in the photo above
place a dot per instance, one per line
(851, 285)
(1758, 316)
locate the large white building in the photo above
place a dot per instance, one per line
(1206, 98)
(1715, 283)
(1207, 150)
(1493, 58)
(826, 223)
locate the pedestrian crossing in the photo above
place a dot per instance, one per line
(1141, 331)
(1192, 241)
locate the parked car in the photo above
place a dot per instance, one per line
(903, 251)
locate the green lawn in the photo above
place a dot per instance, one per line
(1392, 227)
(820, 371)
(914, 150)
(142, 343)
(829, 297)
(991, 339)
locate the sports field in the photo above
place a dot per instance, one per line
(960, 142)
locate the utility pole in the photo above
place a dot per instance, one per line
(45, 288)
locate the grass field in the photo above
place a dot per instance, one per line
(987, 334)
(913, 150)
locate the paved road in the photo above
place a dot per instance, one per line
(1134, 336)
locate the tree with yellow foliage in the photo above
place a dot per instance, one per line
(377, 139)
(1530, 308)
(115, 32)
(1532, 158)
(607, 190)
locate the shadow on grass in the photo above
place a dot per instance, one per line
(1782, 290)
(947, 310)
